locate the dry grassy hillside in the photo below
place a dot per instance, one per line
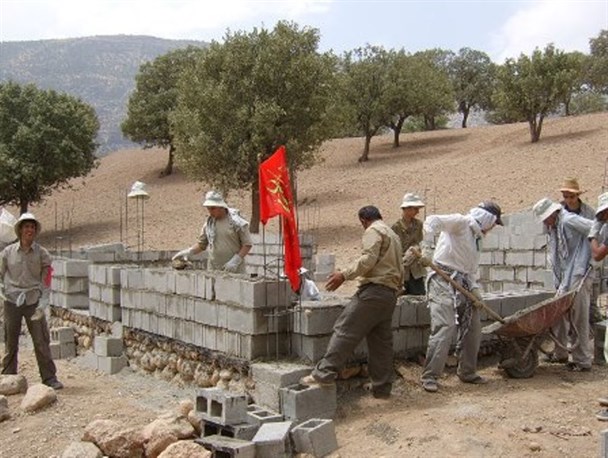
(455, 169)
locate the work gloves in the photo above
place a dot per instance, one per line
(43, 303)
(411, 255)
(184, 254)
(233, 264)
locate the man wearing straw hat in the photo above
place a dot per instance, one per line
(569, 254)
(409, 230)
(452, 314)
(24, 267)
(225, 233)
(571, 199)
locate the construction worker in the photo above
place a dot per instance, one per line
(24, 266)
(457, 254)
(369, 312)
(409, 230)
(570, 254)
(225, 233)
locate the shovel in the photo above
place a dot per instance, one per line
(468, 294)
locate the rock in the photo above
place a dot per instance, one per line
(82, 450)
(185, 449)
(4, 412)
(37, 397)
(157, 444)
(185, 406)
(12, 384)
(226, 375)
(114, 441)
(166, 425)
(534, 446)
(197, 421)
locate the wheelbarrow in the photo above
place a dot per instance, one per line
(523, 333)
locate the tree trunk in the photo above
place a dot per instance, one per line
(254, 224)
(567, 106)
(535, 128)
(465, 116)
(23, 207)
(365, 155)
(169, 167)
(397, 131)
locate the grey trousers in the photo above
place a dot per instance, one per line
(581, 350)
(368, 315)
(443, 332)
(39, 331)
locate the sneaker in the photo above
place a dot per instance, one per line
(475, 380)
(575, 367)
(602, 415)
(378, 394)
(55, 384)
(309, 380)
(430, 386)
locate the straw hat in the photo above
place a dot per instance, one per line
(138, 190)
(545, 208)
(571, 185)
(27, 217)
(602, 203)
(214, 199)
(411, 200)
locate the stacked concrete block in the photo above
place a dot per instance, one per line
(242, 431)
(108, 354)
(104, 291)
(302, 402)
(221, 406)
(223, 446)
(271, 377)
(273, 441)
(316, 437)
(62, 343)
(267, 254)
(70, 284)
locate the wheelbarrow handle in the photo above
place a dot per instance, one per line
(468, 294)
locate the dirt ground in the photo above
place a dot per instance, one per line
(549, 415)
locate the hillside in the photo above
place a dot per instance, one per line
(100, 70)
(454, 169)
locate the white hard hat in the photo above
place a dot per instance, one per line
(27, 217)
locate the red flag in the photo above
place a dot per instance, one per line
(276, 199)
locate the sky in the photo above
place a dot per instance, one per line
(501, 28)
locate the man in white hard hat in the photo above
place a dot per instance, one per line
(570, 255)
(409, 230)
(452, 314)
(24, 266)
(226, 235)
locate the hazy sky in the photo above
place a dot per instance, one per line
(500, 28)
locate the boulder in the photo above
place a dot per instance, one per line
(4, 412)
(185, 449)
(169, 423)
(37, 397)
(12, 384)
(81, 450)
(113, 440)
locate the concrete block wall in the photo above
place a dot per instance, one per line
(104, 291)
(70, 284)
(232, 314)
(266, 254)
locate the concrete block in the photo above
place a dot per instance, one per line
(313, 318)
(110, 295)
(132, 278)
(258, 415)
(185, 283)
(155, 280)
(108, 346)
(252, 293)
(407, 316)
(301, 402)
(111, 364)
(71, 268)
(243, 431)
(89, 359)
(206, 312)
(70, 284)
(67, 350)
(70, 301)
(519, 258)
(279, 374)
(272, 440)
(131, 299)
(316, 437)
(309, 348)
(423, 313)
(97, 274)
(95, 292)
(256, 321)
(63, 334)
(55, 350)
(502, 274)
(221, 406)
(222, 446)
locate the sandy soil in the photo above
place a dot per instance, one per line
(550, 415)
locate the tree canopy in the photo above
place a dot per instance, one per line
(155, 98)
(532, 87)
(46, 138)
(244, 98)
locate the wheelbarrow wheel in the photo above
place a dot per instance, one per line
(514, 365)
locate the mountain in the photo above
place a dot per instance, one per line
(100, 70)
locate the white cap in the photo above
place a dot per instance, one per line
(545, 208)
(214, 199)
(411, 200)
(138, 190)
(27, 217)
(602, 203)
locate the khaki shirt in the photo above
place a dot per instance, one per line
(380, 261)
(228, 242)
(410, 235)
(22, 270)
